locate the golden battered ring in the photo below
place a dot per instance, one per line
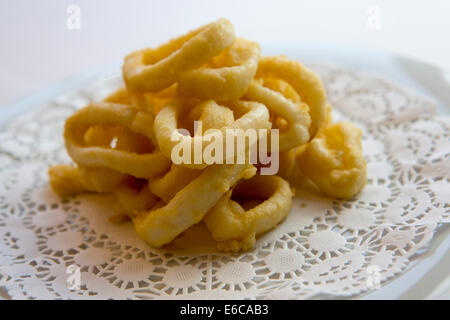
(255, 116)
(167, 185)
(334, 160)
(305, 82)
(103, 113)
(151, 70)
(189, 206)
(226, 80)
(298, 118)
(235, 228)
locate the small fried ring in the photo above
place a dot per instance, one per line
(152, 70)
(298, 118)
(255, 116)
(168, 185)
(67, 180)
(334, 160)
(305, 82)
(189, 206)
(138, 165)
(228, 78)
(130, 200)
(235, 228)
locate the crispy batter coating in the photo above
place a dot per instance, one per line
(334, 160)
(168, 184)
(305, 82)
(186, 208)
(227, 76)
(65, 180)
(297, 117)
(236, 228)
(151, 70)
(255, 116)
(110, 114)
(332, 163)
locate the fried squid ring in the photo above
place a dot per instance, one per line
(189, 206)
(211, 115)
(226, 77)
(254, 116)
(151, 70)
(150, 102)
(121, 95)
(68, 180)
(297, 117)
(334, 160)
(100, 179)
(65, 180)
(117, 138)
(159, 99)
(109, 114)
(288, 168)
(167, 185)
(304, 81)
(290, 171)
(131, 200)
(234, 227)
(282, 87)
(288, 92)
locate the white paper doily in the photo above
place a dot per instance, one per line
(324, 247)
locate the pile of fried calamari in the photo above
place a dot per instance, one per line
(122, 145)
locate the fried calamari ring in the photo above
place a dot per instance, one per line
(211, 115)
(226, 77)
(290, 171)
(130, 200)
(152, 102)
(151, 70)
(254, 116)
(189, 206)
(167, 185)
(100, 179)
(70, 180)
(117, 138)
(109, 114)
(304, 81)
(288, 92)
(282, 87)
(67, 180)
(121, 95)
(297, 117)
(334, 161)
(288, 168)
(158, 100)
(234, 227)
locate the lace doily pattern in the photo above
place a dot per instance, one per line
(324, 247)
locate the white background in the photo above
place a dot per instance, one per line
(38, 49)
